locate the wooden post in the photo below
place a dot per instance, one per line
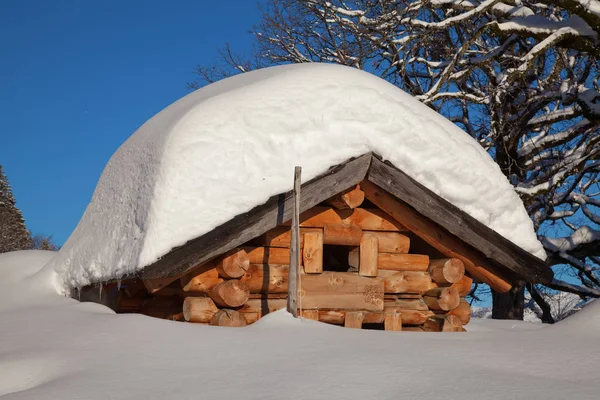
(292, 303)
(354, 319)
(368, 255)
(393, 321)
(313, 252)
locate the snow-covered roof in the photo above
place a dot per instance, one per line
(228, 147)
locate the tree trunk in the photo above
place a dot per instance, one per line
(509, 305)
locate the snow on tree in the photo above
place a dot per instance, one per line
(13, 232)
(521, 77)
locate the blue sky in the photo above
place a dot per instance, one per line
(77, 78)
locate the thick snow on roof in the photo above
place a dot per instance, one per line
(228, 147)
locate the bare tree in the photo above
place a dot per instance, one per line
(521, 77)
(43, 242)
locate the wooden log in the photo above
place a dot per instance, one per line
(311, 314)
(281, 236)
(435, 236)
(463, 286)
(341, 290)
(446, 270)
(341, 234)
(267, 278)
(231, 293)
(199, 309)
(372, 219)
(154, 285)
(354, 319)
(412, 329)
(391, 242)
(163, 307)
(387, 242)
(234, 264)
(227, 317)
(335, 317)
(442, 299)
(409, 317)
(312, 254)
(391, 300)
(200, 282)
(263, 306)
(406, 281)
(351, 198)
(268, 255)
(393, 321)
(130, 304)
(462, 312)
(393, 262)
(368, 255)
(449, 323)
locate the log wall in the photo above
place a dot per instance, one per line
(380, 283)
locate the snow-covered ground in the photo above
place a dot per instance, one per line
(52, 347)
(228, 147)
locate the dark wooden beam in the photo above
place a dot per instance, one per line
(493, 245)
(257, 221)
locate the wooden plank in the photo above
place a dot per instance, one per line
(368, 255)
(371, 219)
(354, 319)
(457, 223)
(393, 321)
(444, 242)
(342, 290)
(257, 221)
(292, 300)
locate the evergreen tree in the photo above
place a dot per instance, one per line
(13, 232)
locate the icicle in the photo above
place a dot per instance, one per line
(118, 284)
(79, 293)
(100, 294)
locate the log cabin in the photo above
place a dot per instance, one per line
(378, 250)
(400, 210)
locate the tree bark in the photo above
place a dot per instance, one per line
(509, 305)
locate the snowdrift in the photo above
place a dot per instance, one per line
(228, 147)
(52, 347)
